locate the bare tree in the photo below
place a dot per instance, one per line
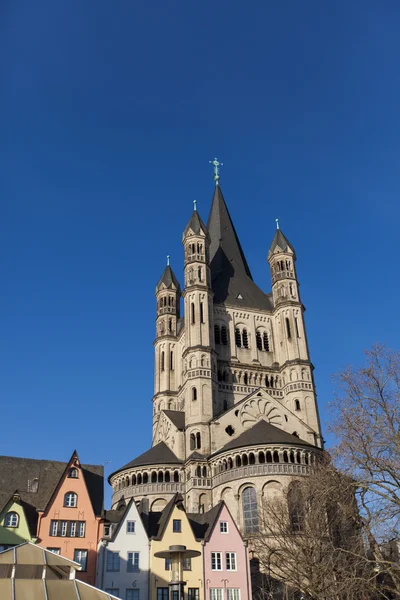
(310, 539)
(367, 426)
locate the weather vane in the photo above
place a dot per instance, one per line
(216, 164)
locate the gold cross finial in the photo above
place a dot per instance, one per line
(216, 164)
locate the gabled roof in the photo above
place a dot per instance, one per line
(159, 454)
(29, 511)
(262, 433)
(231, 278)
(203, 523)
(177, 417)
(169, 279)
(280, 241)
(120, 516)
(157, 522)
(195, 224)
(16, 472)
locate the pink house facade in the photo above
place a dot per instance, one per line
(226, 560)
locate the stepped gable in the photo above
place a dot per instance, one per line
(263, 433)
(159, 454)
(232, 282)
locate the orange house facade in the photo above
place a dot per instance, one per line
(71, 523)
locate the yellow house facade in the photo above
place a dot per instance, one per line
(176, 562)
(16, 523)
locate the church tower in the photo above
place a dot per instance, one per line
(235, 407)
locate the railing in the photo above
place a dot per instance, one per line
(203, 482)
(147, 488)
(264, 469)
(283, 275)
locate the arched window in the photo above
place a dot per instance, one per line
(245, 338)
(198, 440)
(171, 360)
(265, 341)
(145, 478)
(170, 325)
(297, 404)
(238, 338)
(11, 520)
(261, 457)
(245, 460)
(288, 331)
(70, 500)
(139, 479)
(266, 381)
(154, 477)
(268, 457)
(199, 273)
(193, 318)
(133, 479)
(217, 336)
(192, 441)
(162, 361)
(250, 510)
(224, 336)
(198, 471)
(176, 476)
(73, 473)
(201, 313)
(245, 379)
(194, 393)
(204, 471)
(238, 461)
(167, 477)
(252, 459)
(295, 501)
(276, 456)
(259, 341)
(160, 477)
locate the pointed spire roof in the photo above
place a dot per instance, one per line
(169, 279)
(231, 277)
(195, 224)
(280, 241)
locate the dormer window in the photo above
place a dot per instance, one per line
(70, 500)
(73, 473)
(11, 520)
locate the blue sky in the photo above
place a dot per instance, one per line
(110, 112)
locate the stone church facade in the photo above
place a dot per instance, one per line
(235, 413)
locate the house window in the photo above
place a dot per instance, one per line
(194, 393)
(11, 520)
(187, 564)
(216, 561)
(112, 561)
(193, 594)
(133, 594)
(73, 473)
(162, 593)
(72, 529)
(81, 528)
(53, 528)
(80, 556)
(233, 594)
(54, 550)
(130, 527)
(64, 528)
(70, 500)
(216, 594)
(133, 562)
(113, 591)
(230, 561)
(107, 529)
(250, 510)
(176, 525)
(223, 526)
(297, 404)
(168, 564)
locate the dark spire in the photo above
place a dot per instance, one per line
(195, 224)
(168, 279)
(281, 242)
(230, 274)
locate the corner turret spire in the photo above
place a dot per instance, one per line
(280, 242)
(168, 279)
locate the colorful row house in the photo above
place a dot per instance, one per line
(57, 505)
(173, 555)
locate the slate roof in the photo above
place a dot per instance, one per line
(157, 521)
(15, 473)
(203, 523)
(177, 417)
(195, 224)
(281, 241)
(262, 433)
(159, 454)
(231, 278)
(169, 279)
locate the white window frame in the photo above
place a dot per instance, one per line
(64, 528)
(128, 523)
(54, 550)
(223, 525)
(112, 570)
(81, 528)
(133, 562)
(81, 553)
(72, 529)
(13, 518)
(216, 593)
(71, 500)
(54, 529)
(230, 561)
(232, 593)
(216, 558)
(132, 596)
